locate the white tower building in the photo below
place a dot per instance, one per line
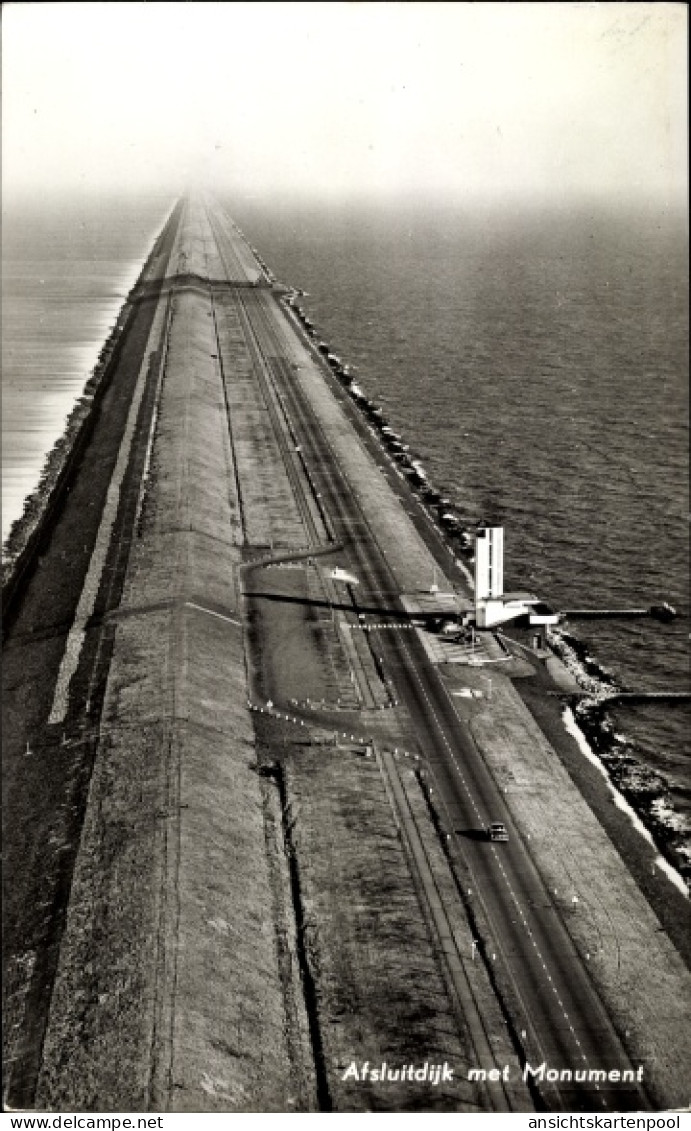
(489, 563)
(489, 576)
(492, 605)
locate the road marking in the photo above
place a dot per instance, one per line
(529, 931)
(441, 732)
(211, 613)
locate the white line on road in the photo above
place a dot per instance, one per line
(211, 613)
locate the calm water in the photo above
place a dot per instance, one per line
(66, 270)
(537, 364)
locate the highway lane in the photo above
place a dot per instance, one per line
(562, 1015)
(555, 1006)
(564, 1020)
(555, 1002)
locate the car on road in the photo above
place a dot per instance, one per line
(497, 831)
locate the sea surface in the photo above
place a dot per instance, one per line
(535, 361)
(67, 265)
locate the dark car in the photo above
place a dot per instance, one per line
(497, 831)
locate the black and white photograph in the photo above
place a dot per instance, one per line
(345, 563)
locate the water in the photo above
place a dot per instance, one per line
(537, 363)
(67, 267)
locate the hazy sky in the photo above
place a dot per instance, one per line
(543, 99)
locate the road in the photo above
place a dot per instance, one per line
(557, 1012)
(53, 709)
